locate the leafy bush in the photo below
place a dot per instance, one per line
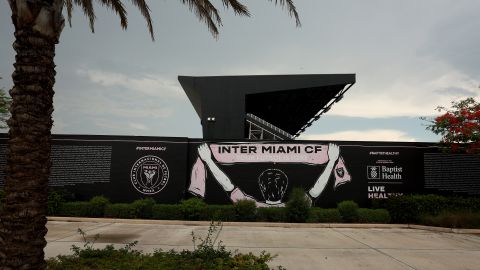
(220, 212)
(272, 214)
(453, 220)
(97, 206)
(298, 206)
(167, 212)
(348, 210)
(208, 253)
(403, 209)
(55, 200)
(144, 208)
(470, 204)
(120, 210)
(245, 210)
(193, 208)
(74, 209)
(373, 215)
(322, 215)
(410, 208)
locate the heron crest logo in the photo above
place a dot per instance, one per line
(149, 175)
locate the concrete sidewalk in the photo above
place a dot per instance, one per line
(299, 246)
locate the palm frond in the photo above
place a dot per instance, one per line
(88, 10)
(205, 12)
(145, 10)
(238, 8)
(69, 6)
(115, 5)
(292, 10)
(118, 8)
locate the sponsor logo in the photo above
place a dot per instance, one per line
(384, 172)
(373, 172)
(149, 175)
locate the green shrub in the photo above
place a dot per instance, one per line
(411, 208)
(403, 209)
(55, 200)
(97, 206)
(430, 204)
(322, 215)
(245, 210)
(167, 212)
(471, 204)
(378, 204)
(348, 210)
(272, 214)
(120, 210)
(220, 213)
(74, 209)
(373, 215)
(298, 206)
(144, 208)
(193, 208)
(453, 220)
(208, 253)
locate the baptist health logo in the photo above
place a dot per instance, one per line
(373, 172)
(149, 175)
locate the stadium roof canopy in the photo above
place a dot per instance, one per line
(289, 103)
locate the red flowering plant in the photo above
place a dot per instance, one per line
(459, 126)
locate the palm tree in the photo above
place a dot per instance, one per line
(38, 25)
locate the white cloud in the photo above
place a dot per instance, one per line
(407, 97)
(362, 135)
(138, 126)
(147, 84)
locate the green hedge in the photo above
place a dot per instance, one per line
(193, 209)
(453, 219)
(411, 208)
(167, 212)
(245, 210)
(220, 213)
(120, 210)
(271, 214)
(423, 209)
(348, 210)
(298, 205)
(74, 209)
(321, 215)
(373, 215)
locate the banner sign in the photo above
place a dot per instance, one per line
(266, 172)
(127, 168)
(121, 168)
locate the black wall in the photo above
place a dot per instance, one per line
(117, 167)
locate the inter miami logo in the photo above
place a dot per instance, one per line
(149, 175)
(373, 172)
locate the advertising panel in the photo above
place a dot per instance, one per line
(119, 167)
(329, 172)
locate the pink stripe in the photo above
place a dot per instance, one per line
(280, 153)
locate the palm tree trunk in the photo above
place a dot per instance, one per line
(38, 25)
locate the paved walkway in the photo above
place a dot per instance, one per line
(299, 246)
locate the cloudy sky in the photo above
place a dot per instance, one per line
(409, 56)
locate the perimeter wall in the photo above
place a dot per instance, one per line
(126, 168)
